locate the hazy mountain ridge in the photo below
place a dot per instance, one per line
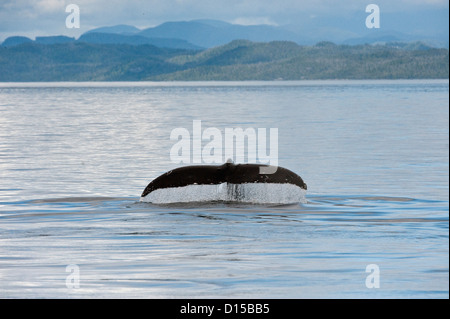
(211, 33)
(113, 38)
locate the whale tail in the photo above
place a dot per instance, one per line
(229, 182)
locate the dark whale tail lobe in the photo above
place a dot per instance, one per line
(227, 182)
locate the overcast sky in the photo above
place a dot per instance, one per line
(47, 17)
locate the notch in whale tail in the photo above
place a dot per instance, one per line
(245, 183)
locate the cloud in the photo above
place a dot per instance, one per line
(49, 6)
(47, 17)
(254, 21)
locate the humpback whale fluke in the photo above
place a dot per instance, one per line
(229, 182)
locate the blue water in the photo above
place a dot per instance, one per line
(75, 157)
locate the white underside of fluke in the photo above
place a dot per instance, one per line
(256, 193)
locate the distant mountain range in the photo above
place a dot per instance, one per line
(217, 50)
(202, 34)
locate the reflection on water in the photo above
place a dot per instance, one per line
(74, 159)
(318, 249)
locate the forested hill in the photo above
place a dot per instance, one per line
(238, 60)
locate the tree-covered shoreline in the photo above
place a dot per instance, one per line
(237, 60)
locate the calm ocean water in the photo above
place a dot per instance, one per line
(75, 157)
